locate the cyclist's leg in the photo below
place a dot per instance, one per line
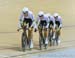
(57, 27)
(53, 32)
(46, 35)
(30, 34)
(30, 37)
(40, 27)
(52, 36)
(49, 32)
(58, 33)
(53, 29)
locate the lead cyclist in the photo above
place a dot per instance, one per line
(27, 17)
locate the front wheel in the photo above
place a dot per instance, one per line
(57, 39)
(24, 42)
(50, 38)
(40, 43)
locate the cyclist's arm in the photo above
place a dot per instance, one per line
(20, 20)
(47, 19)
(54, 25)
(60, 23)
(38, 21)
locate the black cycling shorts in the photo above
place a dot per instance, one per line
(28, 21)
(43, 23)
(57, 23)
(51, 23)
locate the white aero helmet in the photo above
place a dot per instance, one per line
(25, 9)
(41, 13)
(56, 14)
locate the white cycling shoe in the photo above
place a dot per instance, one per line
(46, 41)
(31, 44)
(59, 41)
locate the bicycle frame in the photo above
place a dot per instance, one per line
(42, 38)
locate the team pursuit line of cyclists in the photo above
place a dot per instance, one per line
(48, 26)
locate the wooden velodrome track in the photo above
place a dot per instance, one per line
(10, 42)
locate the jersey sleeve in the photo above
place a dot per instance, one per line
(31, 15)
(53, 21)
(60, 19)
(47, 19)
(20, 20)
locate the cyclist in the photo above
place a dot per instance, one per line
(51, 26)
(42, 20)
(27, 17)
(58, 22)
